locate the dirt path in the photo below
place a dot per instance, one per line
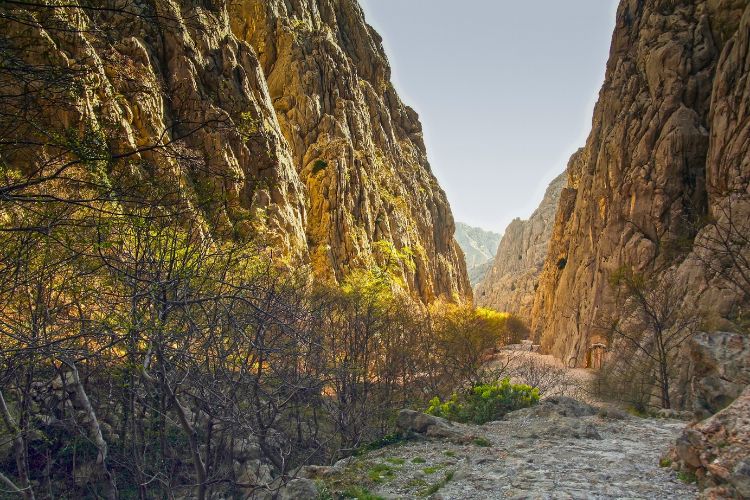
(530, 457)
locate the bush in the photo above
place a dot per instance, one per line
(485, 402)
(318, 166)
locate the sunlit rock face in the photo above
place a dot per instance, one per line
(670, 137)
(308, 147)
(512, 282)
(356, 147)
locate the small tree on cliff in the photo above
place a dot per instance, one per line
(652, 322)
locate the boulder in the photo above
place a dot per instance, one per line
(298, 489)
(555, 406)
(717, 450)
(559, 427)
(721, 370)
(410, 421)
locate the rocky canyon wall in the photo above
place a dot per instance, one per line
(479, 247)
(274, 120)
(670, 144)
(511, 283)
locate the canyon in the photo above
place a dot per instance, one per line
(226, 261)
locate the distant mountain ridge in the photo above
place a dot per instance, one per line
(479, 247)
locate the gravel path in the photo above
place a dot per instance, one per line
(532, 456)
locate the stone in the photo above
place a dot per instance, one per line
(716, 450)
(720, 370)
(298, 489)
(421, 423)
(562, 406)
(246, 449)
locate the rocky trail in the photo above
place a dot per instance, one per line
(559, 449)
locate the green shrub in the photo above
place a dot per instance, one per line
(318, 166)
(688, 477)
(480, 441)
(485, 402)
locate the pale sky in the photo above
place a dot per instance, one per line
(505, 90)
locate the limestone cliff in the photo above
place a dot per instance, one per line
(357, 148)
(275, 120)
(512, 282)
(479, 247)
(670, 144)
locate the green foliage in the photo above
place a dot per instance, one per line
(435, 487)
(380, 472)
(418, 460)
(480, 441)
(387, 440)
(248, 124)
(319, 165)
(323, 492)
(665, 462)
(687, 477)
(360, 494)
(485, 402)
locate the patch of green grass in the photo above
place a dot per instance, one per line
(318, 166)
(637, 412)
(432, 489)
(418, 460)
(449, 453)
(431, 469)
(480, 441)
(665, 462)
(435, 487)
(687, 477)
(323, 492)
(395, 461)
(417, 483)
(380, 472)
(388, 440)
(360, 494)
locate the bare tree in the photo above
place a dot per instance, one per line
(651, 319)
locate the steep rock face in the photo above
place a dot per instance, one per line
(479, 247)
(280, 120)
(670, 135)
(512, 282)
(358, 149)
(166, 87)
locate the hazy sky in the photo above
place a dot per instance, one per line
(505, 90)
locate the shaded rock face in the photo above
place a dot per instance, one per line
(289, 128)
(512, 282)
(670, 138)
(479, 247)
(720, 370)
(356, 147)
(717, 451)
